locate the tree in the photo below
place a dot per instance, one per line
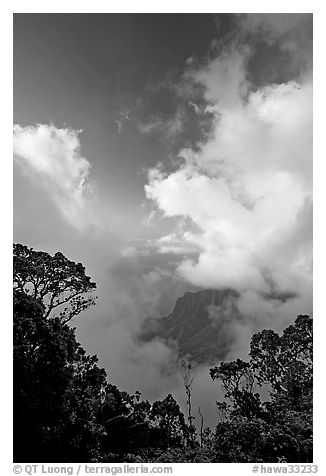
(58, 389)
(167, 422)
(285, 362)
(187, 382)
(57, 282)
(281, 427)
(238, 383)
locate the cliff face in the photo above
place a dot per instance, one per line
(199, 325)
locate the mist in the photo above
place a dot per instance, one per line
(237, 205)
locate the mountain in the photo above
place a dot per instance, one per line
(199, 325)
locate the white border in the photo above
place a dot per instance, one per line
(141, 6)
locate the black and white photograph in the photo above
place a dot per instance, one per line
(162, 229)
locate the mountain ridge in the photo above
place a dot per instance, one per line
(199, 325)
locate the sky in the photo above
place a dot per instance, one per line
(167, 153)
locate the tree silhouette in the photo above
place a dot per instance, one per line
(66, 410)
(57, 282)
(281, 427)
(58, 389)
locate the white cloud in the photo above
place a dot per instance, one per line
(249, 187)
(51, 156)
(177, 243)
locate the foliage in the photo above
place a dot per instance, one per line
(168, 423)
(66, 410)
(57, 388)
(285, 362)
(55, 281)
(239, 384)
(282, 426)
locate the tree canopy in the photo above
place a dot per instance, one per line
(282, 423)
(66, 409)
(60, 284)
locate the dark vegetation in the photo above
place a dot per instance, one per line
(66, 410)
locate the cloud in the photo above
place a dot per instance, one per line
(242, 192)
(171, 111)
(119, 126)
(290, 32)
(176, 243)
(277, 25)
(167, 128)
(131, 251)
(51, 157)
(248, 187)
(132, 289)
(194, 106)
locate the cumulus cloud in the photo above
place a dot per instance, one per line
(243, 194)
(248, 188)
(51, 157)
